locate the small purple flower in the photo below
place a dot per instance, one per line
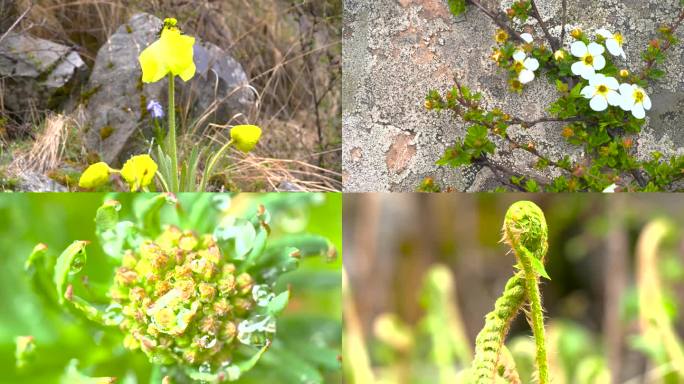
(155, 109)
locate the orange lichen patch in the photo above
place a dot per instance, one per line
(400, 153)
(356, 154)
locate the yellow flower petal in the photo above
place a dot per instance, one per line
(171, 53)
(94, 176)
(139, 171)
(245, 137)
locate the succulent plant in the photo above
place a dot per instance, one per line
(194, 290)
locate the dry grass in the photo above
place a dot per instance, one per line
(47, 150)
(290, 50)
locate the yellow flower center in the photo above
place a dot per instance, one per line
(518, 66)
(618, 37)
(638, 96)
(588, 59)
(501, 36)
(602, 90)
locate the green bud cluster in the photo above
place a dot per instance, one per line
(182, 302)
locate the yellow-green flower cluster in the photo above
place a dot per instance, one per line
(183, 303)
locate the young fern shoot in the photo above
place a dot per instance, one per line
(525, 231)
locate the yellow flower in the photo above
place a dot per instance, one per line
(139, 171)
(245, 137)
(171, 53)
(501, 36)
(95, 175)
(624, 73)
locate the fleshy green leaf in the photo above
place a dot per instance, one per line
(71, 261)
(74, 376)
(278, 304)
(539, 268)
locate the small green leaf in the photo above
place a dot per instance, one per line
(457, 7)
(539, 267)
(74, 376)
(70, 262)
(278, 304)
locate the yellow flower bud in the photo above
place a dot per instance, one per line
(559, 55)
(245, 137)
(171, 53)
(576, 33)
(139, 171)
(624, 73)
(95, 175)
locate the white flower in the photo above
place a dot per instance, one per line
(602, 91)
(591, 59)
(526, 37)
(524, 66)
(634, 98)
(610, 189)
(614, 42)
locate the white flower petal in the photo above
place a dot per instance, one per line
(605, 33)
(638, 111)
(599, 62)
(626, 89)
(613, 47)
(612, 83)
(613, 98)
(578, 49)
(598, 103)
(647, 101)
(587, 71)
(588, 92)
(519, 55)
(626, 102)
(527, 37)
(595, 49)
(610, 188)
(526, 76)
(531, 63)
(597, 79)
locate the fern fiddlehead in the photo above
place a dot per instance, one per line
(526, 233)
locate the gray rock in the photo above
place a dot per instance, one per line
(37, 182)
(117, 119)
(394, 51)
(38, 73)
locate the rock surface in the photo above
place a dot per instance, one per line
(36, 182)
(396, 50)
(117, 117)
(37, 73)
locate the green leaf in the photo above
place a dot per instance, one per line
(74, 376)
(231, 372)
(538, 267)
(147, 211)
(70, 262)
(236, 236)
(457, 7)
(278, 304)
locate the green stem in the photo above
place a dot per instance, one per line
(172, 135)
(211, 164)
(536, 314)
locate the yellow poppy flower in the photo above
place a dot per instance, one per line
(171, 53)
(95, 175)
(245, 137)
(139, 171)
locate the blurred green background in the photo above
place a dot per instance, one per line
(57, 220)
(401, 250)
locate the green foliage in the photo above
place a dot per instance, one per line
(457, 7)
(80, 306)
